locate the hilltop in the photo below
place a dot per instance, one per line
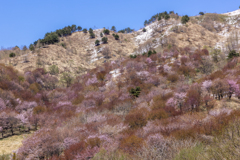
(77, 52)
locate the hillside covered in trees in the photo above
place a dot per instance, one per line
(168, 91)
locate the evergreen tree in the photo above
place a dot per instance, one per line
(232, 54)
(31, 47)
(185, 19)
(12, 54)
(84, 30)
(73, 28)
(101, 35)
(97, 42)
(166, 17)
(145, 23)
(113, 28)
(90, 30)
(144, 30)
(104, 39)
(92, 35)
(116, 36)
(106, 31)
(135, 92)
(79, 28)
(201, 13)
(24, 48)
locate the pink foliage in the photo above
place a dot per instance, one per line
(25, 106)
(67, 142)
(24, 116)
(2, 104)
(167, 68)
(154, 139)
(92, 81)
(149, 60)
(88, 153)
(220, 111)
(233, 87)
(62, 104)
(124, 96)
(88, 103)
(96, 118)
(171, 102)
(207, 85)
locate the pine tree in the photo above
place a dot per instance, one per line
(116, 36)
(145, 23)
(104, 39)
(90, 30)
(84, 30)
(79, 28)
(113, 28)
(92, 35)
(185, 19)
(106, 31)
(97, 42)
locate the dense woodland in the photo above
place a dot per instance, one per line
(174, 104)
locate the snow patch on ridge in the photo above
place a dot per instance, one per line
(233, 13)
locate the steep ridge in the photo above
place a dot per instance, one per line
(81, 54)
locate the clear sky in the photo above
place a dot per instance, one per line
(24, 21)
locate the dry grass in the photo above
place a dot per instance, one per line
(79, 55)
(10, 144)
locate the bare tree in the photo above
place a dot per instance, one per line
(233, 41)
(106, 52)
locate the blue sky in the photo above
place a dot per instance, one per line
(24, 21)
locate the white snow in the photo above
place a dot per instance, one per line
(115, 73)
(144, 36)
(233, 13)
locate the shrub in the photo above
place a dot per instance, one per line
(166, 17)
(79, 28)
(84, 30)
(201, 13)
(157, 114)
(113, 28)
(185, 19)
(172, 78)
(12, 54)
(35, 87)
(93, 142)
(144, 30)
(39, 109)
(106, 31)
(63, 45)
(53, 70)
(97, 42)
(104, 39)
(101, 35)
(74, 149)
(135, 92)
(90, 30)
(31, 47)
(136, 119)
(101, 75)
(131, 144)
(232, 54)
(92, 35)
(116, 37)
(133, 56)
(78, 100)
